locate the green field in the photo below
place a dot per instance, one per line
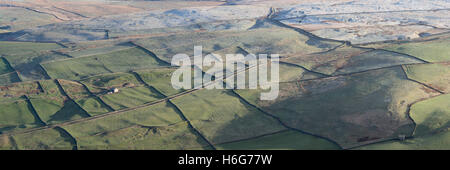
(222, 117)
(326, 63)
(14, 115)
(4, 67)
(435, 75)
(440, 141)
(275, 40)
(101, 83)
(432, 115)
(131, 97)
(286, 140)
(118, 61)
(12, 92)
(155, 127)
(160, 79)
(100, 50)
(20, 18)
(8, 48)
(350, 110)
(50, 139)
(9, 78)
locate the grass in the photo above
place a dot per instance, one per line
(57, 111)
(101, 83)
(4, 67)
(347, 59)
(15, 115)
(374, 60)
(160, 79)
(259, 41)
(130, 97)
(28, 65)
(431, 51)
(432, 115)
(174, 137)
(50, 139)
(53, 107)
(440, 141)
(100, 50)
(6, 143)
(92, 106)
(8, 48)
(155, 127)
(118, 61)
(20, 18)
(286, 140)
(222, 117)
(9, 78)
(15, 91)
(83, 98)
(350, 110)
(435, 75)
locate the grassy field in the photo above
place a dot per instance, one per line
(101, 83)
(15, 115)
(4, 67)
(440, 141)
(286, 140)
(346, 60)
(435, 75)
(50, 139)
(131, 92)
(432, 51)
(9, 78)
(131, 97)
(20, 18)
(28, 64)
(118, 61)
(100, 50)
(222, 117)
(53, 107)
(15, 91)
(8, 48)
(258, 41)
(172, 137)
(432, 115)
(160, 79)
(350, 110)
(154, 127)
(83, 98)
(374, 60)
